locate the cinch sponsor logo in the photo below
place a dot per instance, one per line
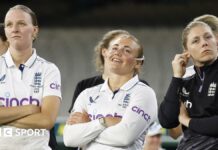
(141, 112)
(16, 102)
(97, 116)
(55, 86)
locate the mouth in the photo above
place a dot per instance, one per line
(116, 60)
(206, 51)
(16, 36)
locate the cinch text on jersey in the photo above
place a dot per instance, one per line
(16, 102)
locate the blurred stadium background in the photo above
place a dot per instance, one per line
(69, 30)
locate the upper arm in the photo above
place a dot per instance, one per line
(50, 107)
(80, 103)
(51, 93)
(52, 82)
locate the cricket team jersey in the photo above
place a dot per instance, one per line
(134, 102)
(26, 85)
(87, 83)
(199, 95)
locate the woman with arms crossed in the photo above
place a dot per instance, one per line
(29, 86)
(117, 113)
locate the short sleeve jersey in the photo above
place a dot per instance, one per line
(24, 85)
(134, 102)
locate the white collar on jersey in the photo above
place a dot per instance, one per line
(128, 85)
(29, 62)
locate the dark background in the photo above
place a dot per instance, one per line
(65, 13)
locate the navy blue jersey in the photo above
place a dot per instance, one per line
(199, 94)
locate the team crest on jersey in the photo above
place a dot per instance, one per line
(126, 101)
(37, 82)
(2, 78)
(212, 89)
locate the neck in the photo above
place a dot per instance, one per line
(104, 76)
(116, 81)
(20, 56)
(199, 64)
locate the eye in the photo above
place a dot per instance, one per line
(127, 50)
(195, 41)
(208, 36)
(21, 24)
(114, 48)
(9, 24)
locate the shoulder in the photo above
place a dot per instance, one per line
(145, 82)
(47, 65)
(93, 90)
(142, 85)
(143, 89)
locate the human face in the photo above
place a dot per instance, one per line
(120, 55)
(202, 45)
(19, 29)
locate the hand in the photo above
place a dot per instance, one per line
(183, 116)
(179, 64)
(111, 121)
(175, 132)
(78, 117)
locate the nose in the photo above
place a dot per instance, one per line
(119, 51)
(14, 28)
(204, 43)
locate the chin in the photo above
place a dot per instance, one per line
(208, 60)
(117, 71)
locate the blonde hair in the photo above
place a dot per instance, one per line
(28, 11)
(211, 20)
(187, 30)
(104, 43)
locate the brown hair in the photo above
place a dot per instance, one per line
(2, 32)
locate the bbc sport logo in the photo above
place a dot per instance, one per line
(9, 132)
